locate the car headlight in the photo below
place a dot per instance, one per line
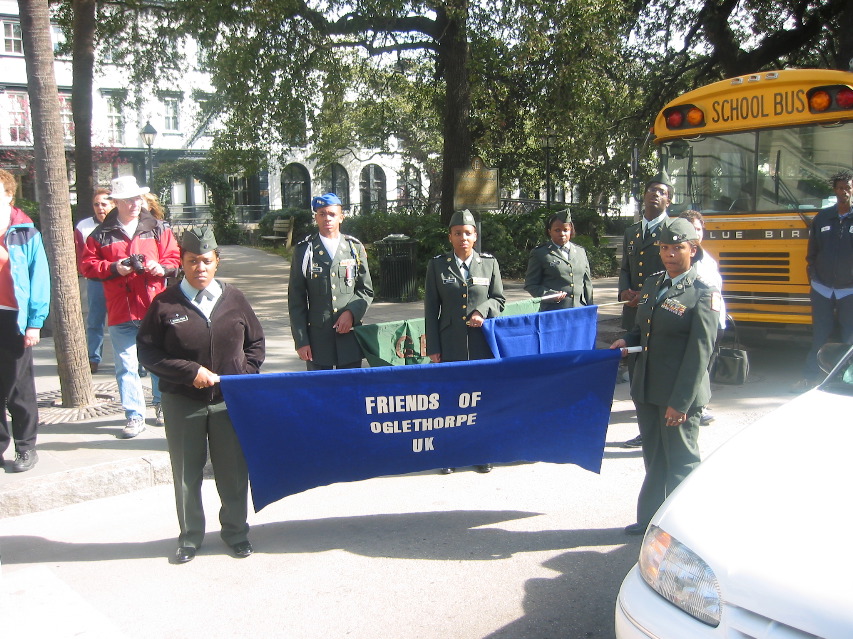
(679, 575)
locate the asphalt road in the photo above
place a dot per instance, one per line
(529, 551)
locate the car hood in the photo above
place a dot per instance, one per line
(770, 512)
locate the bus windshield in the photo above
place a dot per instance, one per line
(784, 169)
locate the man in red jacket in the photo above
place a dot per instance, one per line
(132, 252)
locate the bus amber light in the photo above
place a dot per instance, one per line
(844, 98)
(695, 116)
(819, 101)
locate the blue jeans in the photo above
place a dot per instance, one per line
(825, 313)
(123, 337)
(96, 318)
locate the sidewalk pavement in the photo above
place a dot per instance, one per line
(80, 455)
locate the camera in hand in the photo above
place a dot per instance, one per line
(136, 262)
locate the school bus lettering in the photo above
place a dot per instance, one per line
(755, 107)
(759, 234)
(789, 102)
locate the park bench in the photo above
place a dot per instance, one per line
(282, 230)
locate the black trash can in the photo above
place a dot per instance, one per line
(398, 268)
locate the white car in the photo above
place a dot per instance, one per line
(754, 543)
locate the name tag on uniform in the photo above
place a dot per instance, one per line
(349, 262)
(674, 306)
(480, 281)
(316, 268)
(825, 229)
(178, 319)
(631, 246)
(644, 299)
(448, 279)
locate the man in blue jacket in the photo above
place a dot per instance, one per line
(24, 303)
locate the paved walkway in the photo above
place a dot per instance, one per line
(82, 459)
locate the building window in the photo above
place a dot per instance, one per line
(58, 39)
(241, 186)
(13, 41)
(67, 117)
(373, 197)
(409, 187)
(20, 129)
(172, 109)
(295, 187)
(115, 121)
(335, 179)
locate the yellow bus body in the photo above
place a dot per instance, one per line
(757, 167)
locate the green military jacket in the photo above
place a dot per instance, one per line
(640, 260)
(550, 271)
(677, 335)
(322, 287)
(450, 300)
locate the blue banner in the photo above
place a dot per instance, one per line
(303, 430)
(569, 329)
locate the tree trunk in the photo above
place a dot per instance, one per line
(57, 228)
(83, 71)
(453, 56)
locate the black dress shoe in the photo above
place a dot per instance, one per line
(184, 554)
(637, 442)
(447, 471)
(483, 468)
(25, 461)
(636, 529)
(242, 549)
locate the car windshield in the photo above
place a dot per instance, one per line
(841, 379)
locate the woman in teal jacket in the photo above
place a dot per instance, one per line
(24, 304)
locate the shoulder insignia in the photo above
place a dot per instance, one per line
(716, 302)
(352, 239)
(487, 255)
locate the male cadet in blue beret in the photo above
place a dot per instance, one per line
(329, 292)
(641, 258)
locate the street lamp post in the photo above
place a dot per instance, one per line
(549, 141)
(149, 133)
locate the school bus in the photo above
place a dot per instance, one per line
(754, 155)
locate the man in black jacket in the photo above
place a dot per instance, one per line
(830, 269)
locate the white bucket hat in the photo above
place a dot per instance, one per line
(125, 187)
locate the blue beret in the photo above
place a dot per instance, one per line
(328, 199)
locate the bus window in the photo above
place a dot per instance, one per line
(713, 174)
(795, 164)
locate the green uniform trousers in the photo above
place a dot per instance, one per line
(192, 426)
(669, 453)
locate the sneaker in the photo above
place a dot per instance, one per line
(135, 425)
(707, 417)
(25, 461)
(158, 415)
(637, 442)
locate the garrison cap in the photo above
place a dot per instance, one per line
(462, 218)
(564, 216)
(199, 241)
(676, 230)
(327, 199)
(661, 178)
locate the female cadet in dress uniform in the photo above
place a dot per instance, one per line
(330, 290)
(677, 318)
(559, 267)
(193, 333)
(463, 288)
